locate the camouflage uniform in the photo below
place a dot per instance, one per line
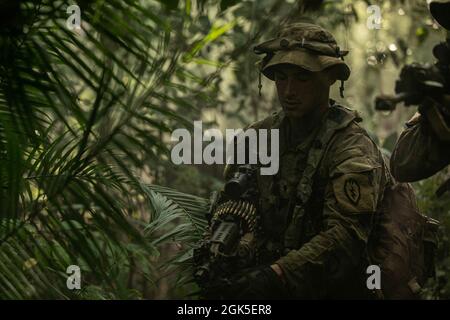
(419, 153)
(318, 210)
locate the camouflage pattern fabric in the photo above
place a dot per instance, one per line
(306, 45)
(333, 182)
(418, 153)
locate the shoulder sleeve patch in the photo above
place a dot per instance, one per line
(355, 192)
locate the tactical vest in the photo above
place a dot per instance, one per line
(298, 227)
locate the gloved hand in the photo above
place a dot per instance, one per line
(257, 283)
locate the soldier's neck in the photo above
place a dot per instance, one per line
(301, 127)
(309, 120)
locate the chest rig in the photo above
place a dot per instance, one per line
(289, 217)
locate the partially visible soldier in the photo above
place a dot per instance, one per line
(421, 150)
(317, 212)
(424, 147)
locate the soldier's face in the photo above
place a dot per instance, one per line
(301, 91)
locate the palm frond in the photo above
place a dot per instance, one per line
(182, 217)
(68, 134)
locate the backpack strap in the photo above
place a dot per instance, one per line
(337, 118)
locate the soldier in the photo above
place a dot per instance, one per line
(317, 211)
(424, 147)
(420, 151)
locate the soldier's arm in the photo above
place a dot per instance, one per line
(418, 153)
(351, 198)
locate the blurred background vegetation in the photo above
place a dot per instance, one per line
(86, 117)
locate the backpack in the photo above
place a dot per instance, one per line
(402, 243)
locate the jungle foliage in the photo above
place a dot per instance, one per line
(86, 116)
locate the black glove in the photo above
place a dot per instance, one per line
(257, 283)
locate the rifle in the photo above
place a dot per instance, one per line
(229, 244)
(425, 84)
